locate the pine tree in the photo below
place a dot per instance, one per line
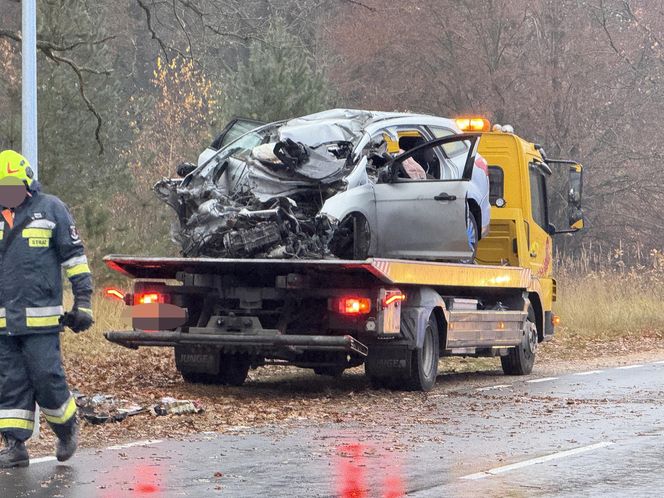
(280, 79)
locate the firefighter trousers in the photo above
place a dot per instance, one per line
(31, 371)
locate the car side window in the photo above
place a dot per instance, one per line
(424, 165)
(452, 150)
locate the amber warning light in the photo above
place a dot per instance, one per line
(473, 124)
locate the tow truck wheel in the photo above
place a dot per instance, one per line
(233, 369)
(520, 360)
(335, 372)
(424, 362)
(197, 377)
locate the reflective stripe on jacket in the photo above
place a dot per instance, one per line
(43, 240)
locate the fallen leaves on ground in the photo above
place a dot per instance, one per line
(282, 395)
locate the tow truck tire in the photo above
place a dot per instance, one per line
(424, 362)
(520, 360)
(233, 369)
(335, 372)
(197, 377)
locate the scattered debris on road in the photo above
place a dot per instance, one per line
(172, 406)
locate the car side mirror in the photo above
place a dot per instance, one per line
(184, 169)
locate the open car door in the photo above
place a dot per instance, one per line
(424, 218)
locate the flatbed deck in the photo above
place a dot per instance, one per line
(389, 271)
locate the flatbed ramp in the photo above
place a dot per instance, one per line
(389, 271)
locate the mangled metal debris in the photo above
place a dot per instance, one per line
(104, 408)
(263, 200)
(172, 406)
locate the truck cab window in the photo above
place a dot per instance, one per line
(538, 196)
(496, 184)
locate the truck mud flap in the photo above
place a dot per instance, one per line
(136, 338)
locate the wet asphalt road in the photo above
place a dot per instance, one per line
(597, 433)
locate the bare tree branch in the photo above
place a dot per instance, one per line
(49, 49)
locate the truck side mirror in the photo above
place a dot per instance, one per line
(574, 197)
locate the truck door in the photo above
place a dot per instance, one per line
(420, 217)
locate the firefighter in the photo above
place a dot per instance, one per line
(38, 238)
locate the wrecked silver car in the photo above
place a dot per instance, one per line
(341, 183)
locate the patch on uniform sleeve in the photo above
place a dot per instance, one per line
(73, 232)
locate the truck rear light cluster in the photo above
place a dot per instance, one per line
(150, 298)
(351, 305)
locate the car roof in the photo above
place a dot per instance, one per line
(372, 117)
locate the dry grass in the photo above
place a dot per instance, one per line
(601, 298)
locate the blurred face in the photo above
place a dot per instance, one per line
(12, 196)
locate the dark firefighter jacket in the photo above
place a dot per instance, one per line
(43, 240)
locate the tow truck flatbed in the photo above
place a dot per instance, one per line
(389, 271)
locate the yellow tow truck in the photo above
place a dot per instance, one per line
(397, 317)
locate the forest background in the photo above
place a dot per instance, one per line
(128, 89)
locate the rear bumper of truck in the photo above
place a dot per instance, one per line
(136, 338)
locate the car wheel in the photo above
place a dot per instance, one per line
(352, 238)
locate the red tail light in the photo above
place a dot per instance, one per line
(149, 298)
(352, 305)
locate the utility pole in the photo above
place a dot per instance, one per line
(29, 145)
(29, 85)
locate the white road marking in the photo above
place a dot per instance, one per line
(535, 461)
(659, 363)
(499, 386)
(543, 379)
(147, 442)
(589, 372)
(628, 367)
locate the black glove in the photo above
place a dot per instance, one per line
(78, 319)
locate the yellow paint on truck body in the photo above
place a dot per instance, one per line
(515, 238)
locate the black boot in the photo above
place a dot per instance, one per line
(14, 454)
(67, 439)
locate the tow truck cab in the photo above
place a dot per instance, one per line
(523, 185)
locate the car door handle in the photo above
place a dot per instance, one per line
(445, 197)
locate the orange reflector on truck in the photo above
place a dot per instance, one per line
(393, 297)
(555, 320)
(113, 293)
